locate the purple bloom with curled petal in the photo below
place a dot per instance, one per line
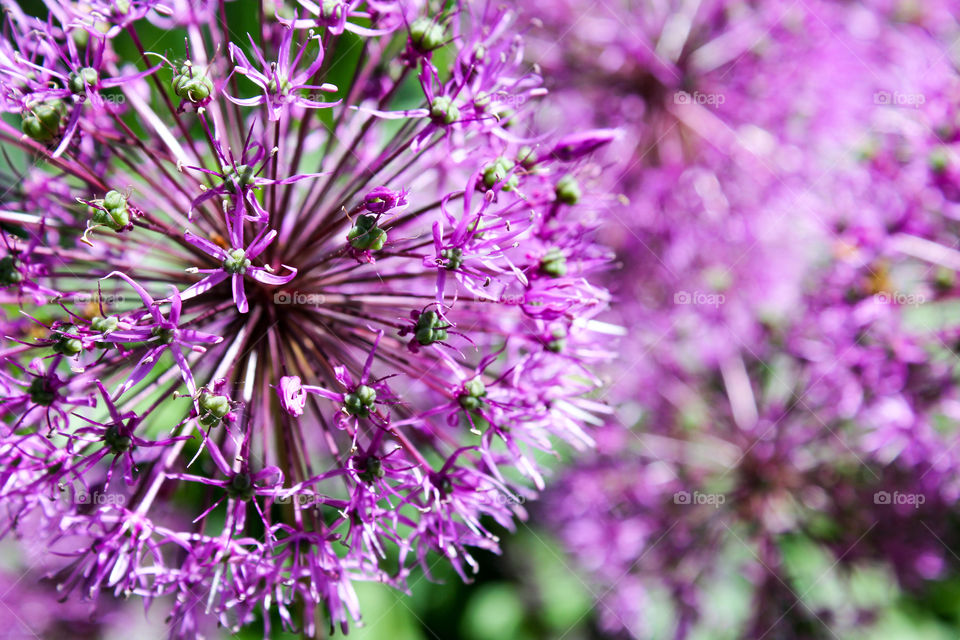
(281, 82)
(236, 263)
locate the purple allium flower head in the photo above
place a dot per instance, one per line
(265, 331)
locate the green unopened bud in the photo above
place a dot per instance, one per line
(554, 263)
(41, 393)
(9, 273)
(78, 82)
(104, 325)
(568, 190)
(41, 122)
(114, 212)
(117, 442)
(236, 262)
(453, 258)
(240, 177)
(67, 346)
(360, 402)
(213, 408)
(366, 235)
(429, 328)
(240, 486)
(473, 391)
(426, 35)
(443, 111)
(370, 469)
(191, 85)
(495, 173)
(527, 157)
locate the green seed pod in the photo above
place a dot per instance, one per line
(370, 469)
(41, 122)
(360, 402)
(67, 346)
(426, 35)
(240, 486)
(443, 111)
(236, 262)
(41, 393)
(554, 263)
(527, 157)
(366, 235)
(473, 391)
(117, 442)
(191, 85)
(78, 82)
(104, 325)
(568, 190)
(453, 257)
(495, 173)
(213, 408)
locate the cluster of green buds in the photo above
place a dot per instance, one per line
(426, 35)
(443, 111)
(497, 172)
(213, 408)
(360, 403)
(241, 176)
(568, 190)
(64, 344)
(453, 258)
(114, 212)
(104, 325)
(240, 486)
(236, 262)
(191, 85)
(365, 235)
(554, 263)
(471, 398)
(430, 328)
(41, 120)
(78, 82)
(9, 271)
(369, 469)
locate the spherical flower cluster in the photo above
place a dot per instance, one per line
(790, 245)
(283, 311)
